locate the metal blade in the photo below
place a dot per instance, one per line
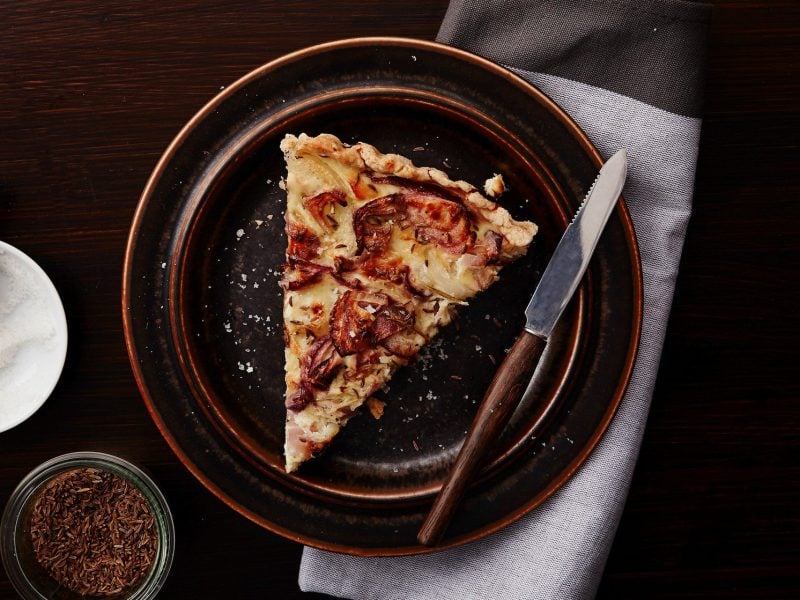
(572, 255)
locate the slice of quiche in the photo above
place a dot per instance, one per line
(380, 255)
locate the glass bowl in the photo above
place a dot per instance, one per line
(29, 578)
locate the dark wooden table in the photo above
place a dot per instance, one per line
(92, 93)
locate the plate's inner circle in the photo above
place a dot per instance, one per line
(232, 307)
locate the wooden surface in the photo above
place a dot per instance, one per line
(92, 93)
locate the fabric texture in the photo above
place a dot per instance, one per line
(651, 50)
(559, 550)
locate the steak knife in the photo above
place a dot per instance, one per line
(559, 281)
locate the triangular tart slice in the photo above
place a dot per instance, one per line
(380, 255)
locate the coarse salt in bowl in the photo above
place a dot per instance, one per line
(33, 336)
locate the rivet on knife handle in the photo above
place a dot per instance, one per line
(556, 286)
(500, 400)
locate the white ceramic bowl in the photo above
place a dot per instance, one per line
(33, 336)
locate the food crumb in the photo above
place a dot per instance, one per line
(494, 186)
(375, 407)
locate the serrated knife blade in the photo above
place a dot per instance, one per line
(573, 253)
(558, 283)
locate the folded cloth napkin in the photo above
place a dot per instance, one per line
(630, 73)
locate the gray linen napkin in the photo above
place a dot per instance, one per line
(630, 74)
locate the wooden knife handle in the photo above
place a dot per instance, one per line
(502, 397)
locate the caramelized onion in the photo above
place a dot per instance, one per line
(360, 321)
(318, 206)
(303, 244)
(321, 363)
(342, 264)
(427, 188)
(391, 320)
(493, 242)
(484, 252)
(362, 187)
(351, 320)
(435, 219)
(299, 273)
(372, 223)
(392, 270)
(300, 399)
(413, 289)
(441, 222)
(405, 343)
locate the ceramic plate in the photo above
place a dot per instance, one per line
(202, 306)
(33, 336)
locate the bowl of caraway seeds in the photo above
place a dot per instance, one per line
(87, 525)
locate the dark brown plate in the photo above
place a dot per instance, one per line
(202, 307)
